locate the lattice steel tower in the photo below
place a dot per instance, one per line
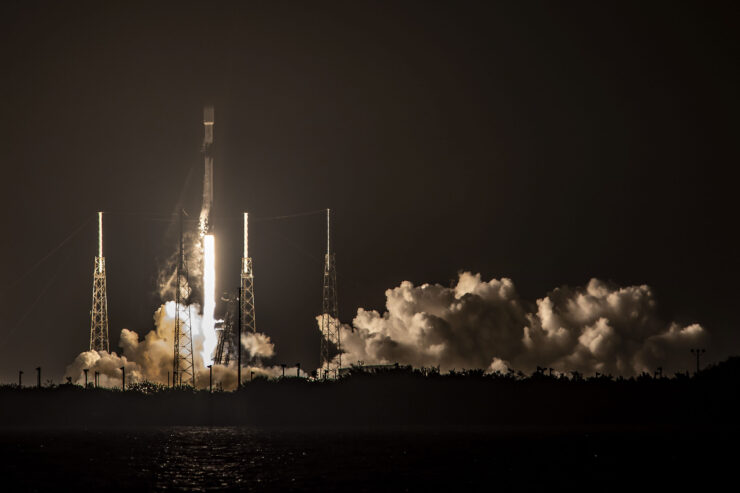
(182, 363)
(99, 312)
(330, 312)
(246, 301)
(229, 335)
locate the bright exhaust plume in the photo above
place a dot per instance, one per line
(210, 338)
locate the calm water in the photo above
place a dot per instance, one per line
(209, 459)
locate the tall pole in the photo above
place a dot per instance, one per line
(239, 343)
(177, 330)
(698, 352)
(100, 234)
(20, 378)
(86, 370)
(38, 376)
(123, 378)
(210, 378)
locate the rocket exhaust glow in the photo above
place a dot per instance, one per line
(210, 337)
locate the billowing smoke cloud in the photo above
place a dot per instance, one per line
(258, 345)
(478, 324)
(107, 364)
(150, 359)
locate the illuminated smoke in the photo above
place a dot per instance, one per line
(203, 221)
(167, 277)
(258, 345)
(150, 358)
(208, 328)
(477, 324)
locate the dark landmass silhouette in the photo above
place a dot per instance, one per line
(398, 398)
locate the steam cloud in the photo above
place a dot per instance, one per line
(150, 359)
(477, 324)
(258, 345)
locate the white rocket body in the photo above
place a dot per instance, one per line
(205, 212)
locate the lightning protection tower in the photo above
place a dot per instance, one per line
(246, 301)
(330, 312)
(182, 363)
(228, 342)
(99, 312)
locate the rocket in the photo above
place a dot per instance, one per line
(205, 212)
(208, 322)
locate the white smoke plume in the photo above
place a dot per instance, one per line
(258, 345)
(150, 359)
(478, 324)
(109, 366)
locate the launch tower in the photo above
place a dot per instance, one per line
(330, 312)
(228, 336)
(99, 312)
(226, 348)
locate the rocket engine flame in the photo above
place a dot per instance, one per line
(210, 338)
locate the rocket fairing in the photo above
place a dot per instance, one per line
(208, 122)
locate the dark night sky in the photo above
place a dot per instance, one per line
(546, 142)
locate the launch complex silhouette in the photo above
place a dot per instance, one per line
(223, 336)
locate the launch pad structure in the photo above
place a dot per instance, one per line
(229, 337)
(226, 347)
(99, 313)
(240, 305)
(183, 367)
